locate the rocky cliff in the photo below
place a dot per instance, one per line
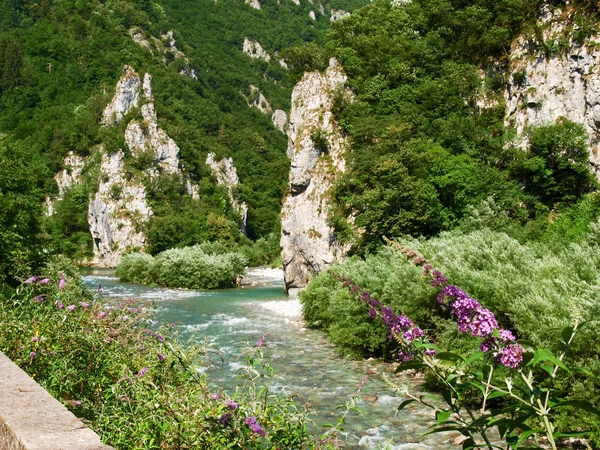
(119, 209)
(315, 146)
(226, 175)
(553, 76)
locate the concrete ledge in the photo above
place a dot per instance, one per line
(31, 419)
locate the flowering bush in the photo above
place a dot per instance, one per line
(138, 387)
(529, 397)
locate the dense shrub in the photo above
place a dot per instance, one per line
(203, 266)
(137, 387)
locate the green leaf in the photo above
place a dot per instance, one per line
(542, 355)
(524, 435)
(475, 357)
(567, 333)
(449, 356)
(580, 404)
(411, 365)
(405, 403)
(442, 416)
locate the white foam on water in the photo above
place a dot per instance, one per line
(236, 366)
(285, 308)
(389, 400)
(235, 321)
(195, 327)
(264, 273)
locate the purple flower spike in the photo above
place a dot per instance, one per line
(214, 396)
(511, 356)
(254, 426)
(32, 355)
(142, 372)
(160, 356)
(102, 315)
(71, 307)
(39, 298)
(44, 281)
(77, 403)
(506, 335)
(62, 283)
(32, 279)
(372, 313)
(231, 404)
(60, 305)
(84, 304)
(431, 352)
(34, 339)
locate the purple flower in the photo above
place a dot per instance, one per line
(487, 345)
(33, 279)
(354, 289)
(32, 355)
(71, 307)
(438, 279)
(413, 334)
(34, 339)
(102, 315)
(405, 356)
(84, 304)
(214, 396)
(60, 305)
(372, 313)
(254, 426)
(365, 296)
(506, 335)
(77, 403)
(224, 419)
(231, 404)
(62, 283)
(431, 352)
(39, 298)
(160, 356)
(44, 281)
(142, 372)
(374, 303)
(511, 356)
(261, 341)
(483, 323)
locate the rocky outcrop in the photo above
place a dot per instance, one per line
(253, 3)
(338, 14)
(119, 209)
(127, 96)
(117, 212)
(144, 136)
(546, 85)
(258, 101)
(280, 120)
(226, 175)
(163, 47)
(70, 175)
(316, 148)
(255, 50)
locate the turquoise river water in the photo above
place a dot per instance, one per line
(305, 363)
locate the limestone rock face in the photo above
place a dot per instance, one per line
(316, 148)
(337, 14)
(253, 3)
(255, 50)
(258, 100)
(226, 175)
(70, 175)
(280, 120)
(127, 96)
(116, 212)
(541, 89)
(145, 135)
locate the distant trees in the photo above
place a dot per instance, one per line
(11, 63)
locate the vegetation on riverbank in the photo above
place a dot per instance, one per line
(137, 387)
(203, 266)
(530, 287)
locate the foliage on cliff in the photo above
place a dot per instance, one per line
(427, 131)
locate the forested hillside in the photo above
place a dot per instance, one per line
(59, 63)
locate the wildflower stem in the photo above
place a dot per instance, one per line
(487, 389)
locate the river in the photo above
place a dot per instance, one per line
(305, 363)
